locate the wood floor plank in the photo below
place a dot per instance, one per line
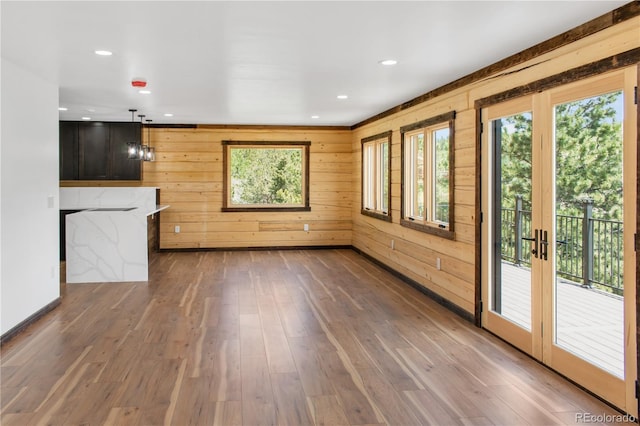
(258, 413)
(11, 394)
(123, 416)
(320, 337)
(251, 337)
(193, 405)
(349, 343)
(225, 372)
(36, 390)
(326, 411)
(21, 351)
(431, 409)
(152, 383)
(385, 359)
(477, 421)
(525, 407)
(278, 353)
(256, 381)
(315, 380)
(351, 394)
(292, 320)
(275, 340)
(290, 402)
(16, 419)
(387, 399)
(153, 415)
(226, 413)
(92, 403)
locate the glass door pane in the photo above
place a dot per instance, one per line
(589, 304)
(512, 218)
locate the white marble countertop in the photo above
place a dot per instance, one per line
(120, 209)
(158, 209)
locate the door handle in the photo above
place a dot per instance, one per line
(534, 251)
(544, 245)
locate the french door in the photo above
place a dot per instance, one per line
(559, 211)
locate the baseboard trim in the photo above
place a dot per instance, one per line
(257, 248)
(422, 289)
(30, 320)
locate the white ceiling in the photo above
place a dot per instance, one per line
(275, 63)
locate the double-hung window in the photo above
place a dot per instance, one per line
(376, 179)
(427, 163)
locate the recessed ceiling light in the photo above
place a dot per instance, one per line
(388, 62)
(144, 92)
(104, 53)
(168, 114)
(342, 96)
(62, 109)
(315, 116)
(91, 110)
(86, 118)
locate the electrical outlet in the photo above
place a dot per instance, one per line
(176, 229)
(438, 266)
(306, 227)
(393, 244)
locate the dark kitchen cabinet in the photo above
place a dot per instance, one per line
(98, 151)
(93, 142)
(122, 168)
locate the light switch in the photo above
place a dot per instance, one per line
(50, 201)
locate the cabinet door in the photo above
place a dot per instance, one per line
(68, 150)
(93, 141)
(122, 168)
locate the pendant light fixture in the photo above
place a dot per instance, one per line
(132, 147)
(138, 150)
(149, 151)
(141, 147)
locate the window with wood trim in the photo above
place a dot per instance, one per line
(266, 176)
(427, 175)
(376, 176)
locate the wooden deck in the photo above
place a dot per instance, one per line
(590, 322)
(319, 337)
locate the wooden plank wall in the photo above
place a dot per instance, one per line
(415, 253)
(189, 170)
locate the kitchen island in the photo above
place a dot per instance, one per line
(107, 241)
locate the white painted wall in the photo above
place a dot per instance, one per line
(29, 266)
(1, 304)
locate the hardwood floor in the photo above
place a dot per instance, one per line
(271, 337)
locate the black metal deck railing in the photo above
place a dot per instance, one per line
(588, 250)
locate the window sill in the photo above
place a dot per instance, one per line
(266, 209)
(377, 215)
(428, 229)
